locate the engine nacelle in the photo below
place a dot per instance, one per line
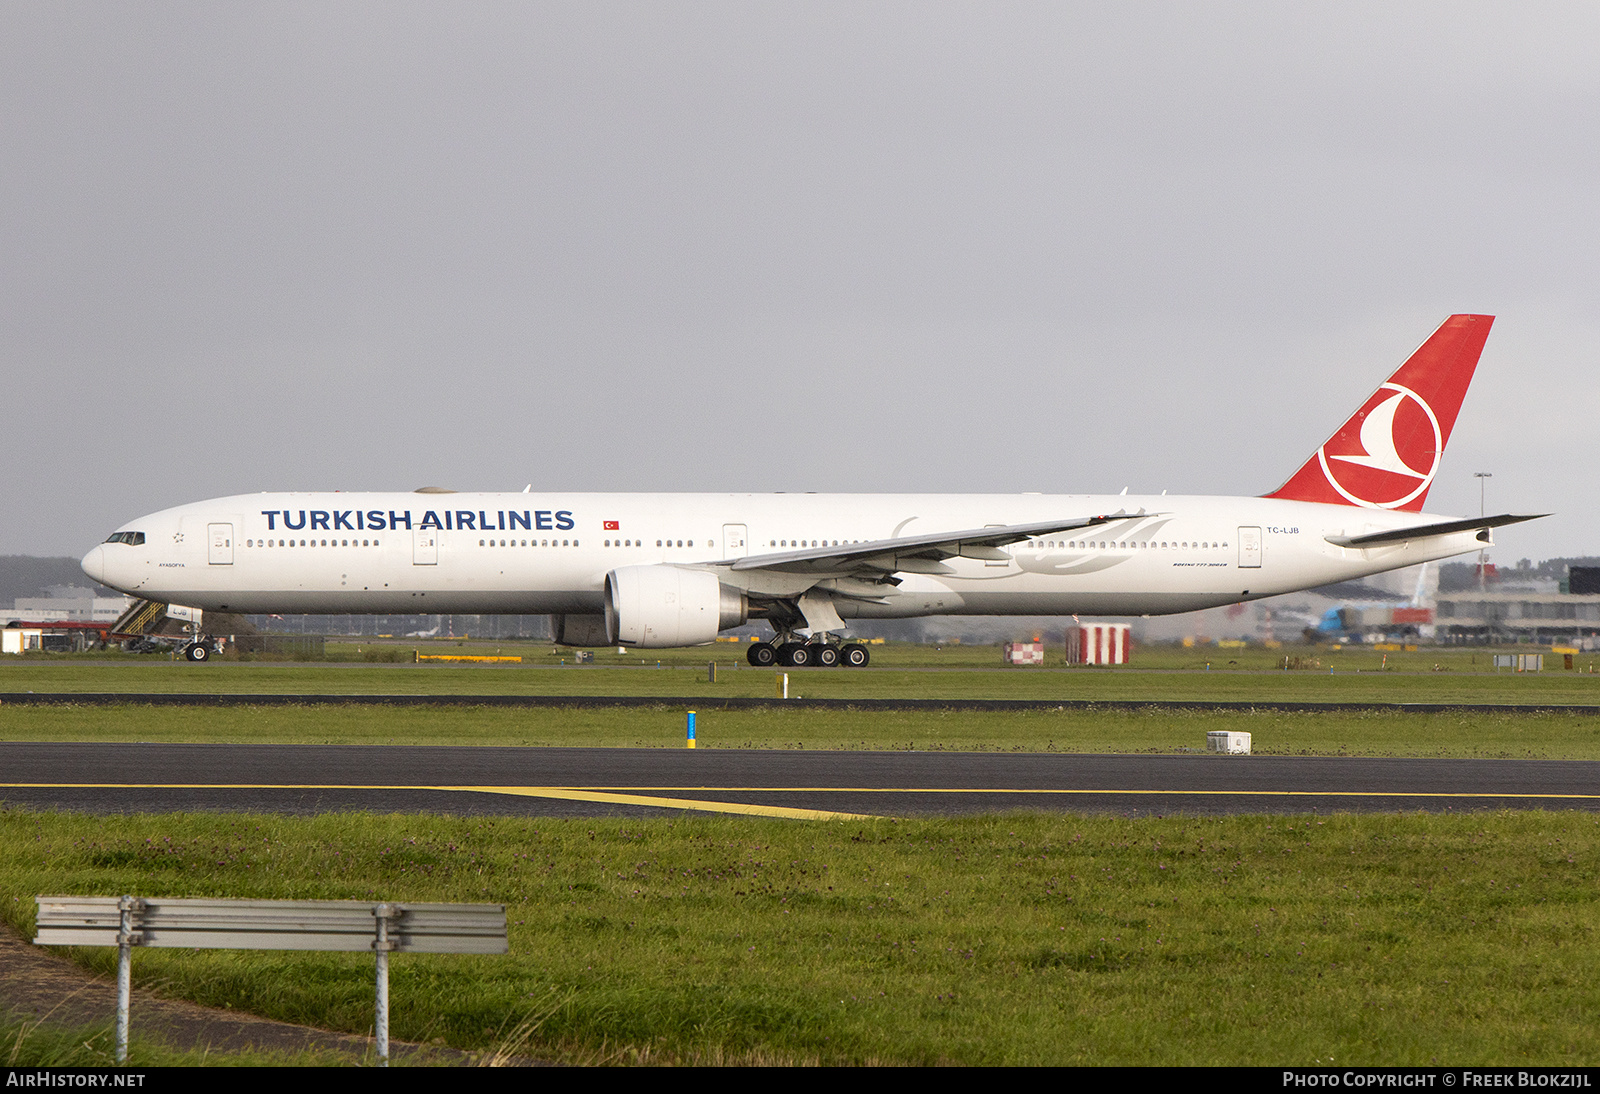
(656, 607)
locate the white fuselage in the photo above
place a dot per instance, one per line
(531, 553)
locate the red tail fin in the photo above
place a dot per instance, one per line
(1386, 455)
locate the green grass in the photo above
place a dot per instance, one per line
(1344, 733)
(1014, 939)
(1164, 656)
(921, 672)
(1021, 939)
(31, 1043)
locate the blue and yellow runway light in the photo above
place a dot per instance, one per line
(690, 742)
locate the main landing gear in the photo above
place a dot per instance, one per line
(798, 655)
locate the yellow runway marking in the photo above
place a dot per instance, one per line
(1045, 790)
(593, 795)
(570, 793)
(659, 796)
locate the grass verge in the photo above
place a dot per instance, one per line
(1364, 733)
(1352, 675)
(1019, 939)
(33, 1043)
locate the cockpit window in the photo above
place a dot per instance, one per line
(133, 539)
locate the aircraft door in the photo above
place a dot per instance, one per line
(425, 547)
(1249, 548)
(734, 541)
(219, 544)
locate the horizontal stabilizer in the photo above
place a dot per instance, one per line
(1424, 531)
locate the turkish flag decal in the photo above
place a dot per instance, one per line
(612, 526)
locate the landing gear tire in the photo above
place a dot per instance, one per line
(827, 656)
(794, 655)
(855, 656)
(196, 651)
(761, 655)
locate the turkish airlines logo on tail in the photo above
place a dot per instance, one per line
(1395, 455)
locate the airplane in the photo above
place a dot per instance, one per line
(654, 571)
(1353, 619)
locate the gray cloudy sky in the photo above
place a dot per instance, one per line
(894, 246)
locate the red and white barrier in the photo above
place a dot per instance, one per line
(1024, 653)
(1099, 643)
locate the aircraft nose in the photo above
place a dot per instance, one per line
(94, 564)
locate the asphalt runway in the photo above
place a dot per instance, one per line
(586, 782)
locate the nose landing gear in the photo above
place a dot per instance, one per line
(199, 650)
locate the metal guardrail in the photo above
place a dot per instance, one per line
(190, 923)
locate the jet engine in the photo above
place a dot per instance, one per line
(656, 607)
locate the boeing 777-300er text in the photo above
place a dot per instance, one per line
(661, 570)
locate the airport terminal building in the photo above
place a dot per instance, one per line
(1567, 619)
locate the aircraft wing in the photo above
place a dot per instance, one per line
(920, 553)
(1423, 531)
